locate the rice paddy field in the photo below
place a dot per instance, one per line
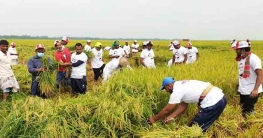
(121, 106)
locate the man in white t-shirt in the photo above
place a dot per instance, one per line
(127, 49)
(250, 77)
(179, 54)
(8, 81)
(64, 41)
(14, 55)
(171, 47)
(116, 52)
(192, 53)
(114, 66)
(233, 44)
(147, 56)
(210, 99)
(78, 74)
(135, 47)
(88, 46)
(97, 62)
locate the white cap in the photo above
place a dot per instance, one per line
(145, 43)
(126, 41)
(135, 40)
(175, 42)
(55, 42)
(242, 44)
(88, 41)
(65, 38)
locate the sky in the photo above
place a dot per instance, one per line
(169, 19)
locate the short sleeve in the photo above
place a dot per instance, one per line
(176, 97)
(255, 63)
(142, 54)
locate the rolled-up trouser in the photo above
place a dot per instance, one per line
(206, 116)
(79, 85)
(61, 78)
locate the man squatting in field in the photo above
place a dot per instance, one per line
(179, 54)
(97, 63)
(78, 74)
(114, 66)
(62, 56)
(8, 81)
(34, 66)
(210, 99)
(147, 55)
(250, 77)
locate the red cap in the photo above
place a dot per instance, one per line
(40, 46)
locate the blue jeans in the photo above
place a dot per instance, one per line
(61, 79)
(206, 116)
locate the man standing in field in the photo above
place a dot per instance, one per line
(62, 56)
(97, 62)
(210, 99)
(192, 53)
(78, 75)
(64, 41)
(179, 54)
(8, 81)
(88, 46)
(171, 47)
(116, 52)
(147, 56)
(135, 47)
(13, 52)
(250, 77)
(127, 49)
(34, 66)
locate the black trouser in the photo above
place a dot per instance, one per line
(247, 103)
(98, 72)
(79, 85)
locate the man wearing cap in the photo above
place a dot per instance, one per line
(171, 47)
(78, 75)
(233, 44)
(135, 47)
(64, 41)
(147, 56)
(127, 49)
(250, 77)
(62, 56)
(13, 52)
(88, 46)
(97, 62)
(116, 52)
(210, 100)
(114, 66)
(192, 53)
(34, 66)
(179, 54)
(8, 81)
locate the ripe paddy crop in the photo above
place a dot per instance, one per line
(121, 106)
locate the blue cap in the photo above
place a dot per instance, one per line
(167, 81)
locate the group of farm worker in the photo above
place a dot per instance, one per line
(210, 99)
